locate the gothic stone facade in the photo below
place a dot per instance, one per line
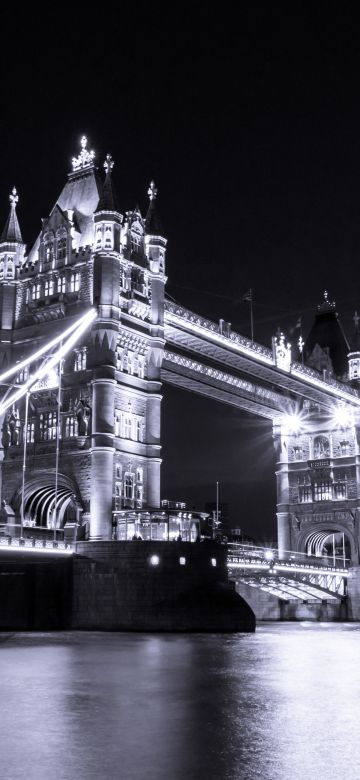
(87, 254)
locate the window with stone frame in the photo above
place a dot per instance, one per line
(61, 284)
(48, 426)
(48, 287)
(129, 486)
(61, 247)
(71, 426)
(321, 447)
(80, 359)
(30, 432)
(75, 282)
(36, 291)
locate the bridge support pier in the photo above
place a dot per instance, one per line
(284, 542)
(353, 589)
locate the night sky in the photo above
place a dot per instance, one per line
(250, 127)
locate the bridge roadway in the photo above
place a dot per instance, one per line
(294, 578)
(213, 360)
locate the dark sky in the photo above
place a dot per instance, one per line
(250, 126)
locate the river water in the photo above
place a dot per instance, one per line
(280, 704)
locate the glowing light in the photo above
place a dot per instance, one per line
(312, 569)
(342, 416)
(291, 423)
(269, 555)
(50, 344)
(182, 561)
(154, 560)
(29, 548)
(82, 325)
(213, 561)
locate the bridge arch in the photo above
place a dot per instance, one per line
(40, 497)
(322, 538)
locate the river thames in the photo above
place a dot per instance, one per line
(280, 704)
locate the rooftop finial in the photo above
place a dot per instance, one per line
(108, 164)
(85, 157)
(152, 191)
(14, 198)
(326, 305)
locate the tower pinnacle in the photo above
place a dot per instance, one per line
(152, 191)
(85, 158)
(12, 230)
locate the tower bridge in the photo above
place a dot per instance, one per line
(91, 431)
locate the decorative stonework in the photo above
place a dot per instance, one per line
(85, 158)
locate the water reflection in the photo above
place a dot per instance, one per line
(278, 704)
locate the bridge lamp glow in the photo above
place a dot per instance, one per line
(342, 416)
(269, 555)
(154, 560)
(291, 423)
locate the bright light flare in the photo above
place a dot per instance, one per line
(46, 348)
(342, 416)
(81, 326)
(291, 423)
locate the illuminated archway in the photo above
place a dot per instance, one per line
(40, 502)
(334, 545)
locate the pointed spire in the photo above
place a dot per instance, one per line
(355, 340)
(108, 200)
(12, 230)
(152, 220)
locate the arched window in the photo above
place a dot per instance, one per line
(139, 475)
(10, 269)
(108, 237)
(61, 248)
(127, 427)
(129, 486)
(1, 269)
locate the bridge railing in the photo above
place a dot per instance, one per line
(253, 556)
(10, 544)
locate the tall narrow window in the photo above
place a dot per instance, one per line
(71, 427)
(129, 486)
(80, 359)
(48, 287)
(61, 284)
(61, 248)
(30, 433)
(75, 282)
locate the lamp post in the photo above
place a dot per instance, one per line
(24, 464)
(58, 432)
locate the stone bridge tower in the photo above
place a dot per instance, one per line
(88, 254)
(318, 454)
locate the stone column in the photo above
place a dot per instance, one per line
(102, 457)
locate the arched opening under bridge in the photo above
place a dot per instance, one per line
(334, 545)
(42, 503)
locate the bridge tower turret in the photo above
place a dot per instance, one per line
(354, 354)
(12, 251)
(106, 290)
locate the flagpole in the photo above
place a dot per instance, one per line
(251, 316)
